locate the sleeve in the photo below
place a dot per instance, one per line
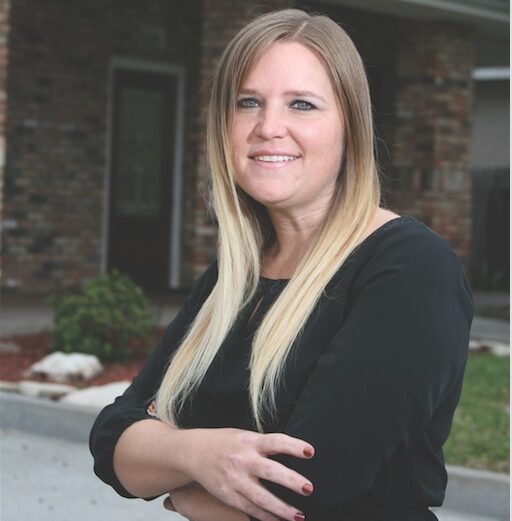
(132, 405)
(401, 349)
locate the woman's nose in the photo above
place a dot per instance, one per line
(271, 123)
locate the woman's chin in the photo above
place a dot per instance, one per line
(270, 201)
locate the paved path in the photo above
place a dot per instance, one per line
(51, 479)
(490, 329)
(19, 320)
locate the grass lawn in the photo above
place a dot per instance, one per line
(480, 433)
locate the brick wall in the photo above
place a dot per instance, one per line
(57, 123)
(431, 177)
(56, 142)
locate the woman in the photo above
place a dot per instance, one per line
(315, 367)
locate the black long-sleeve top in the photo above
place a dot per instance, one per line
(372, 382)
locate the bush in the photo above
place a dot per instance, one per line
(105, 319)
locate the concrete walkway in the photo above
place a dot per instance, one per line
(51, 479)
(22, 319)
(484, 328)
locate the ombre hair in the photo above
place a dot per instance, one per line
(244, 230)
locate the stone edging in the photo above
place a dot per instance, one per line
(46, 417)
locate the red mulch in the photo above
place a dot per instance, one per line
(33, 347)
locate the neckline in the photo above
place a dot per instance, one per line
(368, 238)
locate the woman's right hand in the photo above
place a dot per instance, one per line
(229, 463)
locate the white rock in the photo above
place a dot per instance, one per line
(474, 345)
(98, 396)
(490, 346)
(63, 367)
(44, 389)
(496, 348)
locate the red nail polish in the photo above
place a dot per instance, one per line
(308, 452)
(307, 488)
(299, 516)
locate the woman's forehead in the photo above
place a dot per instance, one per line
(290, 67)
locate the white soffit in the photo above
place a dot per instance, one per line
(491, 73)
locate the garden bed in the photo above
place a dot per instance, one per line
(21, 351)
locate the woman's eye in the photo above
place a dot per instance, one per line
(302, 105)
(247, 103)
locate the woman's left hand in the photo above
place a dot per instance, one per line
(196, 504)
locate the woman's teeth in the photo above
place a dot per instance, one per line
(275, 159)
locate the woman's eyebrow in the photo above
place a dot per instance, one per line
(295, 93)
(250, 92)
(304, 93)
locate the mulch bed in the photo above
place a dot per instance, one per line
(31, 348)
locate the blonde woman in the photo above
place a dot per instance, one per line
(314, 369)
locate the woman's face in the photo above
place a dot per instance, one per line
(287, 133)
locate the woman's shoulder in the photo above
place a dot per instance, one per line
(404, 237)
(408, 246)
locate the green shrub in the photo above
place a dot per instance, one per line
(106, 319)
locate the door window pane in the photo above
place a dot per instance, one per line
(139, 152)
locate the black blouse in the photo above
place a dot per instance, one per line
(372, 382)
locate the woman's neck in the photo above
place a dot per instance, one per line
(294, 236)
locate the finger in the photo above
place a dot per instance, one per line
(278, 473)
(168, 504)
(261, 498)
(278, 443)
(255, 511)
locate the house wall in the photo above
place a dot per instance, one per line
(60, 54)
(432, 137)
(57, 117)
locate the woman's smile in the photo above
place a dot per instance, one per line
(267, 159)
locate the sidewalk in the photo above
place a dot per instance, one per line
(51, 479)
(22, 317)
(34, 429)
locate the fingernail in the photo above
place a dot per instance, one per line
(299, 516)
(307, 488)
(308, 452)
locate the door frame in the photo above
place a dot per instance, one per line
(129, 64)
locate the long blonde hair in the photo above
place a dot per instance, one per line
(243, 229)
